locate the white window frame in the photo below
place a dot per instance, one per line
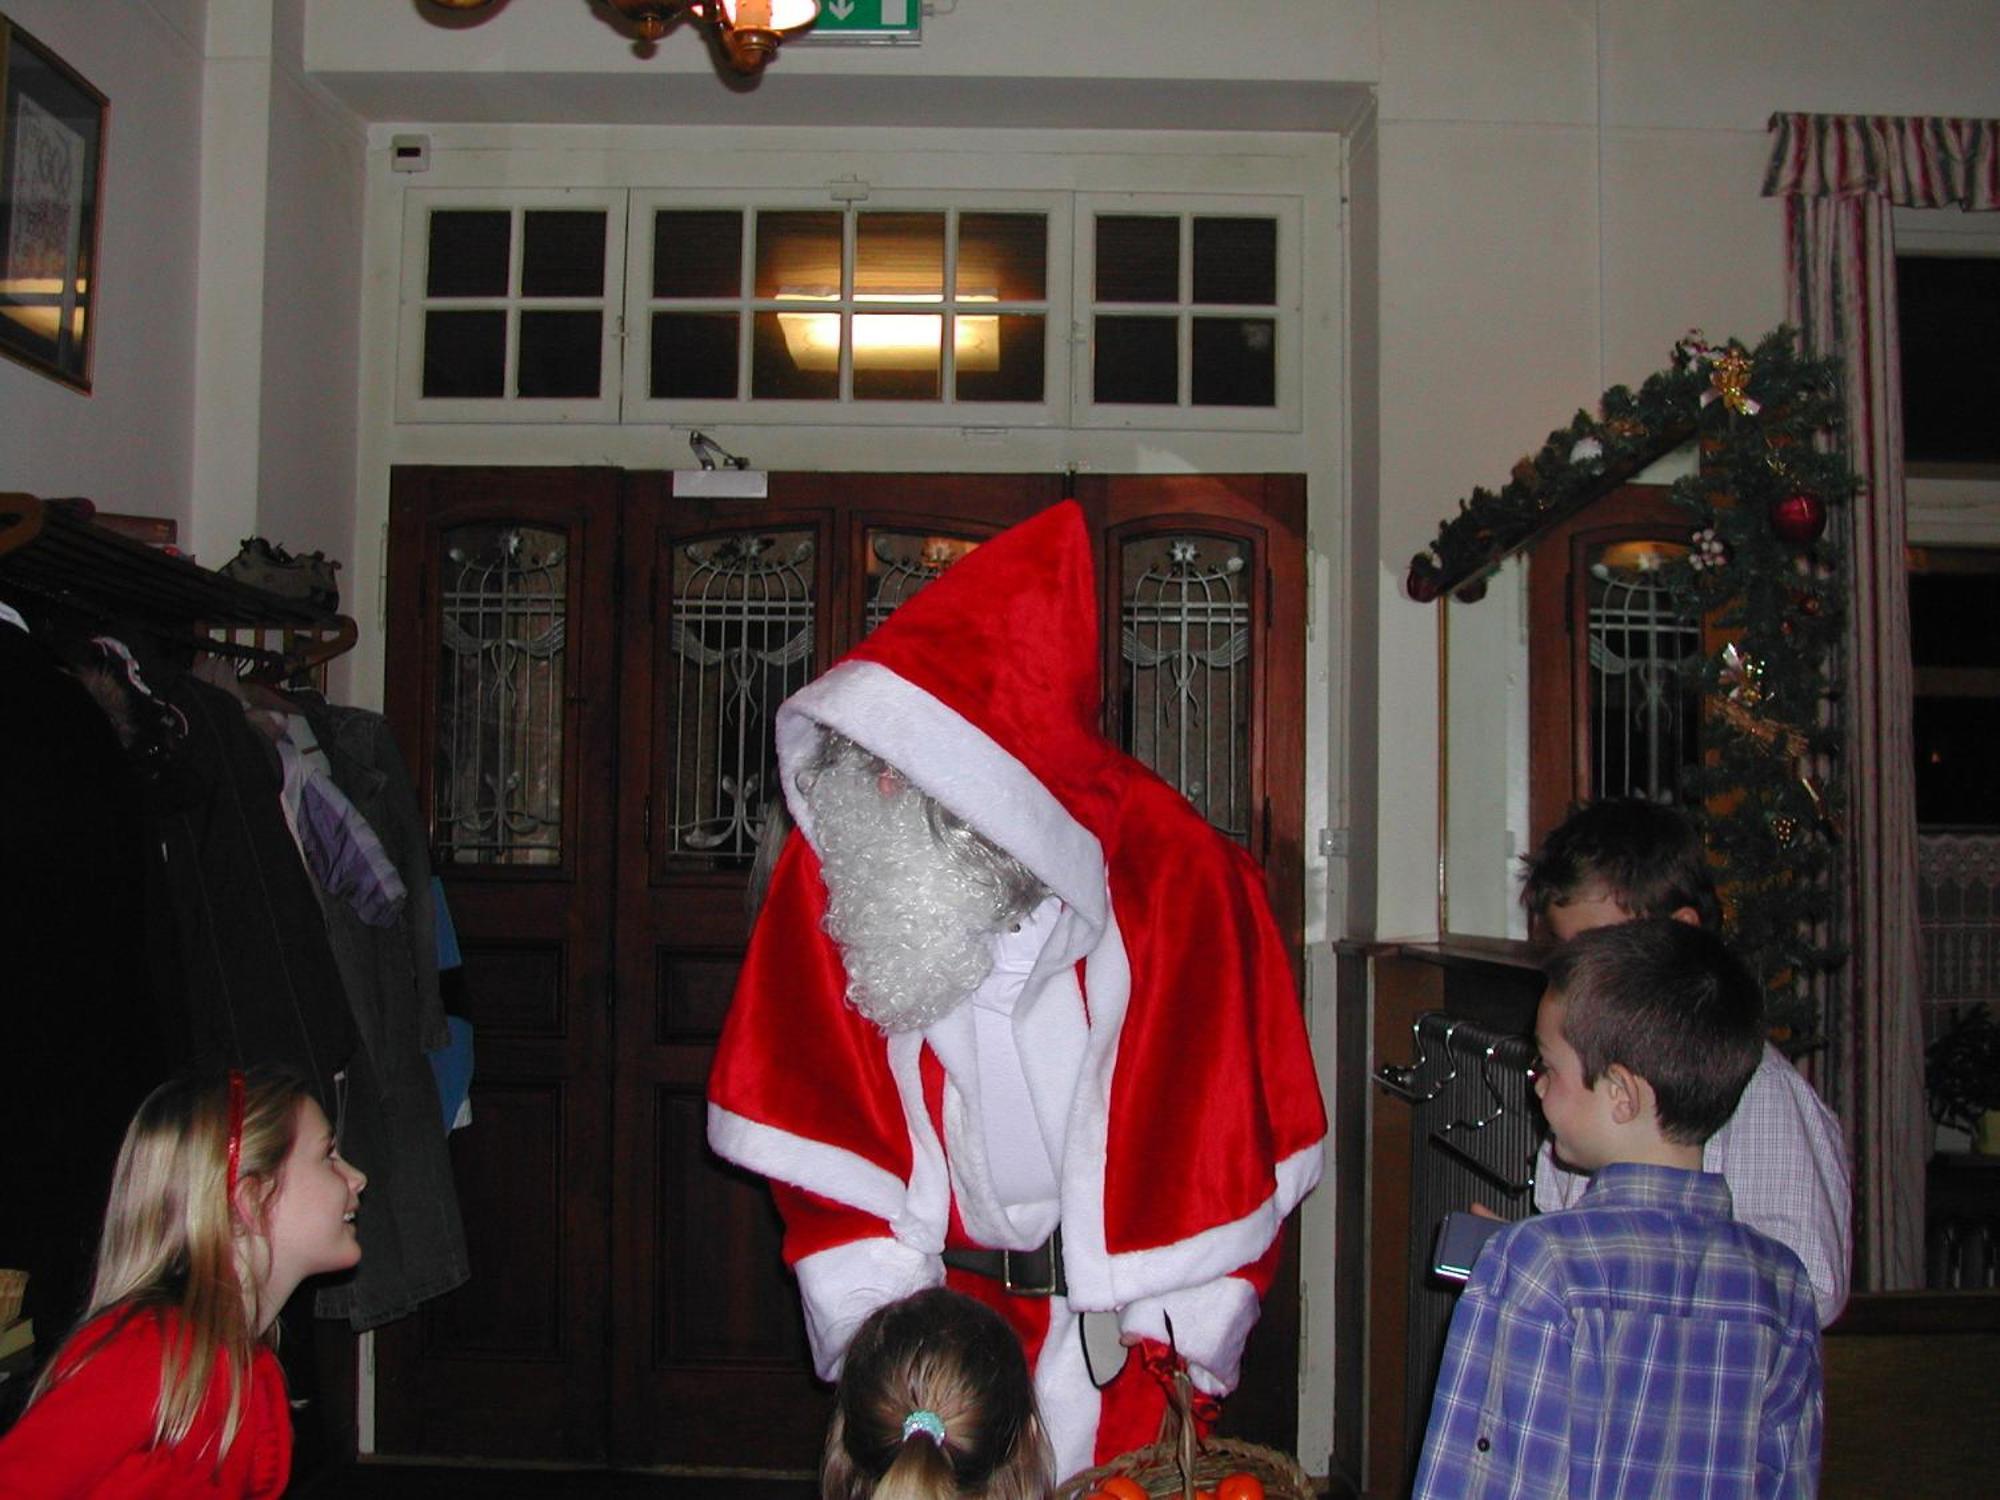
(1288, 313)
(1051, 411)
(507, 408)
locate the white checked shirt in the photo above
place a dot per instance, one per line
(1786, 1165)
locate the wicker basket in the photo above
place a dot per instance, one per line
(1182, 1462)
(13, 1285)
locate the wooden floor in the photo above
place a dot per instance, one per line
(394, 1481)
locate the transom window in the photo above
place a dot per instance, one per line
(1021, 309)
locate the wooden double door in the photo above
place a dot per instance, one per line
(582, 671)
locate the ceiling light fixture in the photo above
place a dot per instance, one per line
(748, 31)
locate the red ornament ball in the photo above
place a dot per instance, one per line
(1799, 518)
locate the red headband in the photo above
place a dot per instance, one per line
(235, 1128)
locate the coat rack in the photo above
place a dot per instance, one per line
(51, 550)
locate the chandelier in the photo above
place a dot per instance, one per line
(748, 31)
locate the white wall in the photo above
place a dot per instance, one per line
(1568, 187)
(126, 445)
(311, 317)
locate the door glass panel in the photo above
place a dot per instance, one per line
(740, 641)
(562, 353)
(1137, 361)
(465, 353)
(796, 356)
(1644, 695)
(499, 769)
(798, 256)
(562, 253)
(999, 358)
(1138, 258)
(698, 253)
(1184, 677)
(694, 355)
(1003, 257)
(468, 253)
(1235, 362)
(1236, 260)
(899, 256)
(902, 562)
(897, 356)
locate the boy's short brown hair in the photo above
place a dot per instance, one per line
(1646, 856)
(1669, 1001)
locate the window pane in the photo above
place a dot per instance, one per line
(798, 256)
(795, 356)
(741, 642)
(1236, 260)
(1643, 697)
(1954, 740)
(698, 253)
(465, 353)
(1003, 257)
(1137, 361)
(500, 716)
(899, 255)
(1235, 362)
(1138, 258)
(562, 253)
(1949, 308)
(694, 355)
(999, 358)
(468, 253)
(897, 356)
(562, 353)
(1184, 670)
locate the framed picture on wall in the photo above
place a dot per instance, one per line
(51, 170)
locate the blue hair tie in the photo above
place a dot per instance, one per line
(924, 1421)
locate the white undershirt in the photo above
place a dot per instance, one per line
(1016, 1157)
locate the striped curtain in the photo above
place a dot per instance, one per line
(1840, 176)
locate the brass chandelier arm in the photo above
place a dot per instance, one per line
(750, 30)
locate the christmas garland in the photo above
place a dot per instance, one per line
(1767, 582)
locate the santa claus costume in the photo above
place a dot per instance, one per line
(1138, 1077)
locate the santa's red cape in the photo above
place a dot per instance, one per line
(1165, 1056)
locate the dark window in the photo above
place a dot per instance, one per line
(1955, 653)
(1949, 310)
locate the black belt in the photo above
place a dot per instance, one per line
(1026, 1273)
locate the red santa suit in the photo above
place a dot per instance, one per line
(1158, 1101)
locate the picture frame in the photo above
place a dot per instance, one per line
(51, 180)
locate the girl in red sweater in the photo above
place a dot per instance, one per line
(229, 1191)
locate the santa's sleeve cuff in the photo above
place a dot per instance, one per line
(840, 1287)
(1211, 1321)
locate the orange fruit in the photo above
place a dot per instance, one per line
(1240, 1487)
(1123, 1487)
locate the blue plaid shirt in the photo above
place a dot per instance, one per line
(1641, 1344)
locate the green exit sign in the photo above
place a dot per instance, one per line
(867, 21)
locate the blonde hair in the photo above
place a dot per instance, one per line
(171, 1246)
(938, 1353)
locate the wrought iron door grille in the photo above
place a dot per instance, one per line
(500, 696)
(1185, 643)
(1643, 694)
(741, 633)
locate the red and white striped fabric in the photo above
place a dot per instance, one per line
(1840, 175)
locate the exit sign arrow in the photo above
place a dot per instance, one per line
(899, 21)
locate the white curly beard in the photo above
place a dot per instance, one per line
(915, 925)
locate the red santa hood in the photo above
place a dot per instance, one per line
(983, 691)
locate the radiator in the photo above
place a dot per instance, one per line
(1475, 1131)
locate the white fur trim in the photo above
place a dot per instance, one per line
(1069, 1402)
(1107, 978)
(840, 1287)
(948, 756)
(1210, 1324)
(814, 1165)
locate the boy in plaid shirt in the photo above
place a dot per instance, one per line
(1643, 1343)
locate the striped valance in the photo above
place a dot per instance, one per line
(1914, 161)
